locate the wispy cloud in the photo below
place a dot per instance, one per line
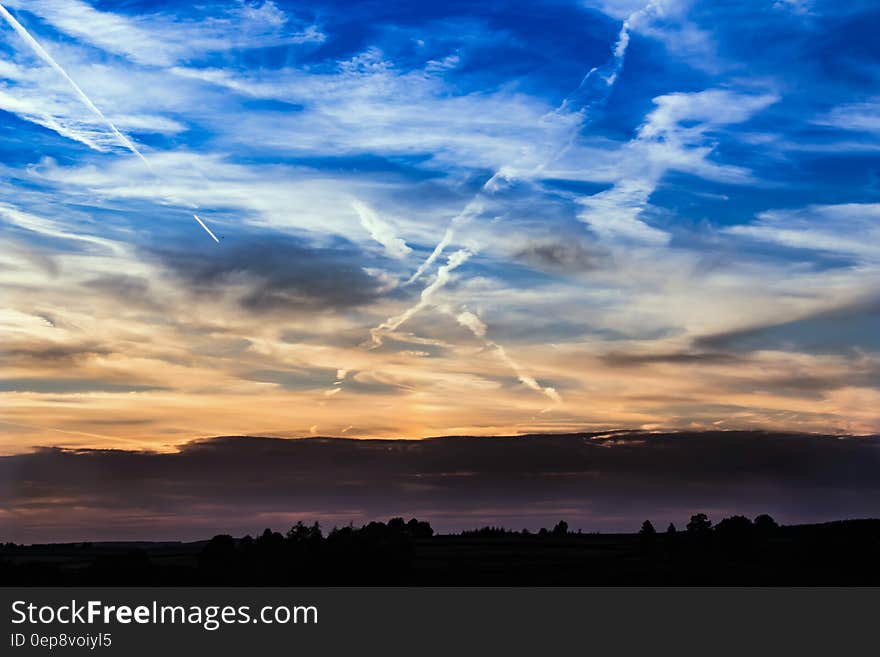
(859, 117)
(673, 137)
(381, 231)
(162, 39)
(851, 229)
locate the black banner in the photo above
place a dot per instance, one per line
(411, 621)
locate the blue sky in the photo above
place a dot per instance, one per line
(651, 215)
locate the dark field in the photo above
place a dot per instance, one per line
(733, 553)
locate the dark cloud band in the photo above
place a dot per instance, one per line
(606, 483)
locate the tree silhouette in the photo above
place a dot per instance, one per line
(561, 528)
(397, 525)
(765, 525)
(647, 529)
(734, 526)
(671, 529)
(300, 533)
(419, 529)
(219, 549)
(270, 540)
(699, 524)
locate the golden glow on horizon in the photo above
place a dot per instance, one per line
(184, 392)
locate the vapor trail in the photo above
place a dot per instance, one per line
(441, 245)
(476, 326)
(444, 274)
(48, 59)
(599, 90)
(597, 83)
(593, 89)
(474, 207)
(207, 230)
(69, 431)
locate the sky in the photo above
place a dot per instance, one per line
(436, 218)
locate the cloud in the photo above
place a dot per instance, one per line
(849, 228)
(381, 231)
(294, 378)
(275, 274)
(345, 110)
(163, 39)
(124, 289)
(52, 353)
(52, 228)
(794, 6)
(63, 385)
(673, 137)
(565, 256)
(857, 117)
(627, 359)
(607, 482)
(847, 328)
